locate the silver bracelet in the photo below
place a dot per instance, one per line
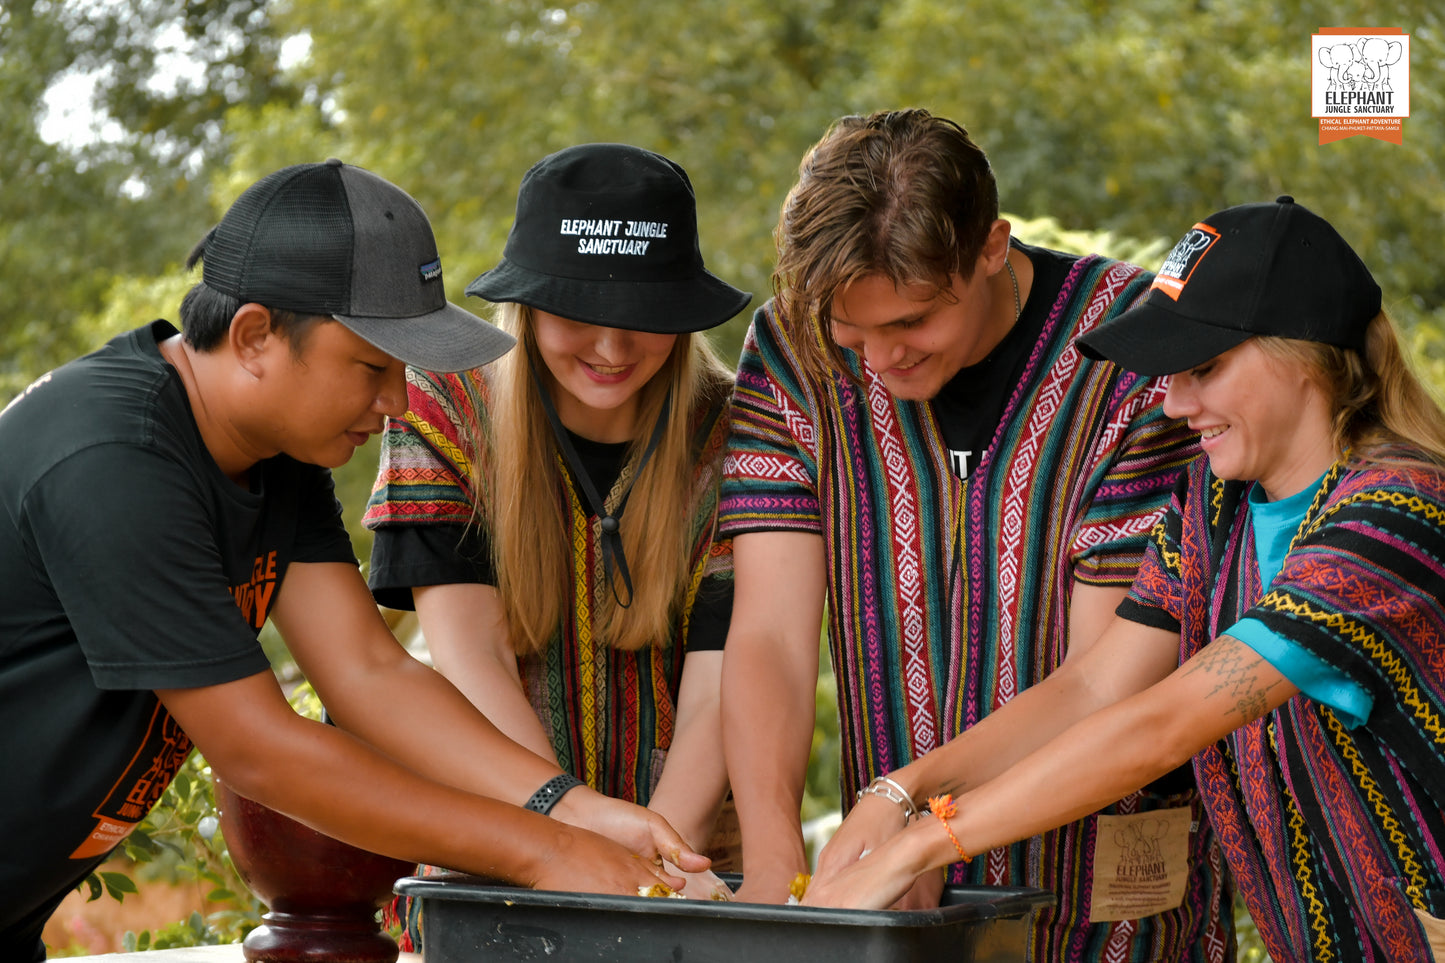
(894, 793)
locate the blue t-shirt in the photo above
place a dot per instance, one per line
(1274, 525)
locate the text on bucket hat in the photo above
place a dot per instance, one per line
(607, 234)
(1275, 269)
(333, 239)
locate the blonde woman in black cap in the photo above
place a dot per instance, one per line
(551, 516)
(1284, 631)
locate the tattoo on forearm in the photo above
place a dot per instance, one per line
(1235, 670)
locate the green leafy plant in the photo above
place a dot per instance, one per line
(180, 840)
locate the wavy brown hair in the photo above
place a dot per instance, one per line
(900, 193)
(519, 479)
(1383, 413)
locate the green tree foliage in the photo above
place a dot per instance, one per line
(1132, 119)
(74, 219)
(1142, 117)
(1135, 117)
(455, 100)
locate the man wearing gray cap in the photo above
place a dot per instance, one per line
(163, 497)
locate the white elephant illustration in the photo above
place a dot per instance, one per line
(1375, 56)
(1176, 265)
(1340, 58)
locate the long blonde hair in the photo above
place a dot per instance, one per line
(1384, 414)
(518, 483)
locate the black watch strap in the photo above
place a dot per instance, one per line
(552, 790)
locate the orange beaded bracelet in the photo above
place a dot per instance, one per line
(944, 807)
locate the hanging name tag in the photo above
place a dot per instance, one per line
(1141, 864)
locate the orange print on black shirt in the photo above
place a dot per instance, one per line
(166, 745)
(150, 771)
(253, 598)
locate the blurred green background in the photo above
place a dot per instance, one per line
(127, 127)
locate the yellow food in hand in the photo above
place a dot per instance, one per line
(659, 890)
(798, 887)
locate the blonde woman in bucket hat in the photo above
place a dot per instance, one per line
(1284, 630)
(550, 516)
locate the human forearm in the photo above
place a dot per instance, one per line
(469, 644)
(694, 777)
(410, 712)
(330, 780)
(767, 733)
(1124, 746)
(1073, 775)
(966, 762)
(769, 694)
(1000, 739)
(1106, 755)
(373, 688)
(1109, 659)
(463, 748)
(1089, 766)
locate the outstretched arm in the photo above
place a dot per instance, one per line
(374, 689)
(1107, 755)
(769, 691)
(470, 645)
(337, 784)
(694, 778)
(1099, 669)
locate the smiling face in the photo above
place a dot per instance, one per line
(330, 396)
(597, 373)
(915, 337)
(1259, 418)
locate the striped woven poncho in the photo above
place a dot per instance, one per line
(1335, 835)
(610, 714)
(947, 598)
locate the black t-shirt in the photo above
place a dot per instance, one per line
(970, 404)
(128, 562)
(403, 556)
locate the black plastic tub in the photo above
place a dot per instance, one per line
(472, 920)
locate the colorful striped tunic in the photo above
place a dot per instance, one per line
(609, 713)
(1335, 835)
(947, 598)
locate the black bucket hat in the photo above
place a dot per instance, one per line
(1257, 269)
(607, 234)
(338, 240)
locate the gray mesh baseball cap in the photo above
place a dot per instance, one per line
(338, 240)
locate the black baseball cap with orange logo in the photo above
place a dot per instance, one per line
(1275, 269)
